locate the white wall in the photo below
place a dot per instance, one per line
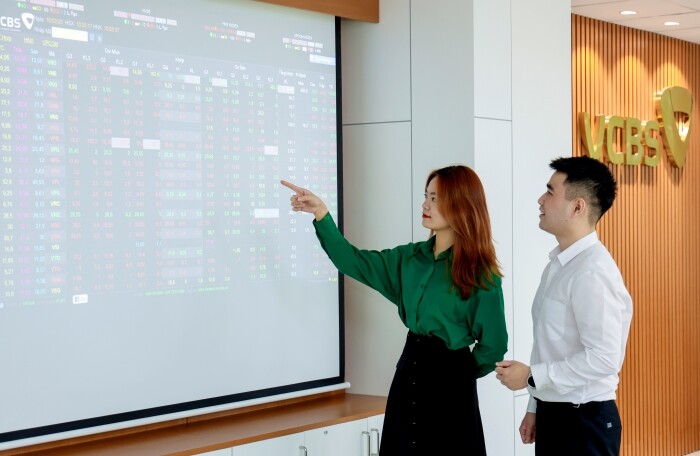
(482, 82)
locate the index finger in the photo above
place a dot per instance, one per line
(293, 187)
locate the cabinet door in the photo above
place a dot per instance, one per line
(374, 426)
(345, 439)
(224, 452)
(287, 445)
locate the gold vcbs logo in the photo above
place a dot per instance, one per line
(674, 108)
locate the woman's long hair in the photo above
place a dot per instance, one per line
(462, 202)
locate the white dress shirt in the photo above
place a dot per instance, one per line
(581, 319)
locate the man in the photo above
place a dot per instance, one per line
(581, 318)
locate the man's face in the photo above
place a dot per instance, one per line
(555, 210)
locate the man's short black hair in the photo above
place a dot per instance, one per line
(590, 179)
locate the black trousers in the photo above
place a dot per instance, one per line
(591, 429)
(432, 407)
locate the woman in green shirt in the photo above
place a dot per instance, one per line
(448, 293)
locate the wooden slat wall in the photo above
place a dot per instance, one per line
(652, 231)
(362, 10)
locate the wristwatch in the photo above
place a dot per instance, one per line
(531, 380)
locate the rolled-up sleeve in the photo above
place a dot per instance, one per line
(489, 329)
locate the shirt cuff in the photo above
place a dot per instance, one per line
(532, 405)
(324, 220)
(539, 375)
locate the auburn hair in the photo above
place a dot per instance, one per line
(462, 202)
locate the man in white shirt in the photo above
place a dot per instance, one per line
(581, 319)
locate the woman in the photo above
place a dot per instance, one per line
(448, 293)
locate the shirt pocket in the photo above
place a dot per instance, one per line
(553, 319)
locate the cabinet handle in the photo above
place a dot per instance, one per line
(302, 450)
(365, 443)
(374, 442)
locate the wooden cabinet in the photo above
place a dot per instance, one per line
(353, 438)
(225, 452)
(328, 421)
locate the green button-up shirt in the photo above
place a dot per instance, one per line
(421, 287)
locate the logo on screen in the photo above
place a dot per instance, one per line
(14, 22)
(28, 20)
(11, 22)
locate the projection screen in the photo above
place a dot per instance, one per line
(150, 262)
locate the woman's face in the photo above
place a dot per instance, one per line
(432, 218)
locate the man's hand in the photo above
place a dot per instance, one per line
(527, 428)
(512, 374)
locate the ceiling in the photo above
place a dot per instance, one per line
(651, 15)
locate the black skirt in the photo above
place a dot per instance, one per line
(432, 407)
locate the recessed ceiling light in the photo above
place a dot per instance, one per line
(627, 12)
(672, 23)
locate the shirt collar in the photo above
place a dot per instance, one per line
(427, 250)
(574, 249)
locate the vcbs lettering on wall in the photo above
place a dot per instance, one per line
(640, 139)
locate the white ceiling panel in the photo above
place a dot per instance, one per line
(651, 15)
